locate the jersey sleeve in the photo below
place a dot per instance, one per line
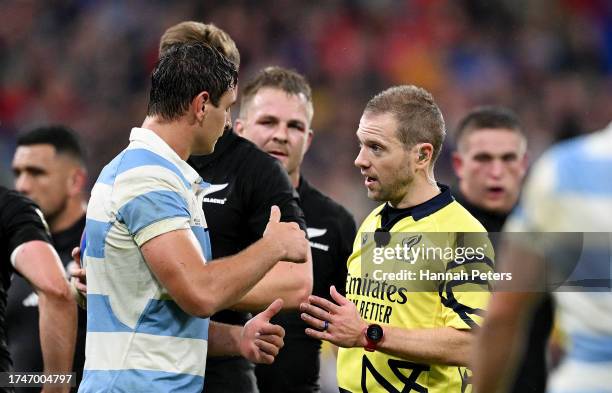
(465, 298)
(22, 221)
(266, 185)
(152, 205)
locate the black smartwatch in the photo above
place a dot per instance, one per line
(373, 334)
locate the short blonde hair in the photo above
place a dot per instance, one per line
(206, 33)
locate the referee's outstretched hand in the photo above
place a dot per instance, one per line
(287, 236)
(261, 340)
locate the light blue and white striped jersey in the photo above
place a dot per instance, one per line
(570, 190)
(138, 338)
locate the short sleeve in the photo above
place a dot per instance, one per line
(22, 221)
(152, 205)
(268, 185)
(466, 297)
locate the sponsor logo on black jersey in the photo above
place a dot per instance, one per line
(213, 188)
(317, 232)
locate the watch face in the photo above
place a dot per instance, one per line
(374, 333)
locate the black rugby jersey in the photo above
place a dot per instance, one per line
(245, 183)
(331, 231)
(20, 222)
(532, 370)
(22, 315)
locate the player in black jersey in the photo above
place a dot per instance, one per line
(25, 249)
(490, 162)
(245, 182)
(275, 113)
(49, 169)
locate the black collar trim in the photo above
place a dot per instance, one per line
(390, 215)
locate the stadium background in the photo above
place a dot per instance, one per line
(86, 64)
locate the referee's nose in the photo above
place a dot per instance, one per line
(361, 161)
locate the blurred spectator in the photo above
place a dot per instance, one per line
(551, 61)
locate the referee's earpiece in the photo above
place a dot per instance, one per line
(422, 155)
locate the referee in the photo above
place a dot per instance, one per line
(25, 248)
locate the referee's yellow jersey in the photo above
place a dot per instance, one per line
(402, 303)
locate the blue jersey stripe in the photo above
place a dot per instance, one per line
(96, 235)
(151, 207)
(134, 158)
(129, 381)
(100, 316)
(591, 349)
(203, 237)
(576, 169)
(109, 172)
(166, 318)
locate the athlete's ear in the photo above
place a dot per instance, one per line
(239, 126)
(457, 161)
(308, 141)
(200, 104)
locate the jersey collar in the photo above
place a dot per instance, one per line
(390, 215)
(159, 146)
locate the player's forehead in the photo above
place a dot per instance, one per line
(37, 153)
(274, 102)
(493, 141)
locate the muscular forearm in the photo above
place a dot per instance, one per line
(223, 339)
(232, 278)
(431, 346)
(58, 321)
(499, 341)
(288, 281)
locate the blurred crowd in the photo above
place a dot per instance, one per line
(86, 63)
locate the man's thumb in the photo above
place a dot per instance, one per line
(275, 214)
(272, 309)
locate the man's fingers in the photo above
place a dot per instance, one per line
(272, 339)
(316, 323)
(269, 329)
(267, 347)
(76, 255)
(272, 309)
(319, 335)
(338, 298)
(323, 303)
(263, 358)
(78, 273)
(315, 312)
(80, 287)
(275, 214)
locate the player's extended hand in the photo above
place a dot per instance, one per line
(261, 340)
(288, 236)
(78, 278)
(344, 326)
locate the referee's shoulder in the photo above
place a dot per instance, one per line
(463, 220)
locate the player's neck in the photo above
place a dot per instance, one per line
(73, 211)
(295, 178)
(175, 133)
(420, 190)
